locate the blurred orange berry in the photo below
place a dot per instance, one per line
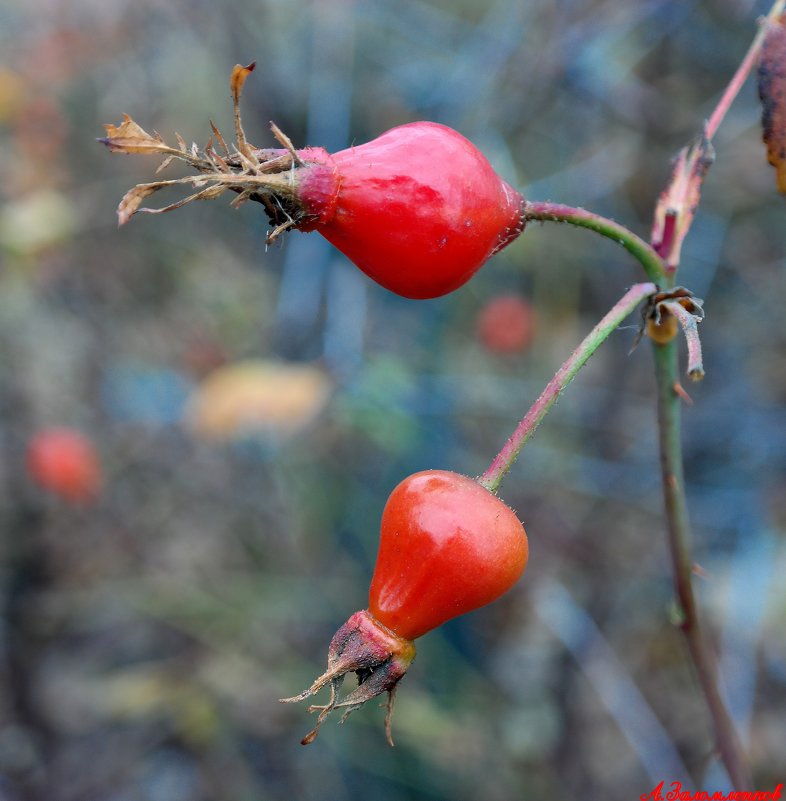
(506, 324)
(65, 463)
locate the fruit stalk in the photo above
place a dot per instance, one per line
(503, 461)
(649, 259)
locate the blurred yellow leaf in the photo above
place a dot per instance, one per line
(36, 222)
(257, 397)
(147, 691)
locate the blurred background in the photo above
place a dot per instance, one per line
(249, 409)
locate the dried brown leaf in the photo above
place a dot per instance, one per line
(205, 194)
(239, 75)
(286, 142)
(164, 164)
(132, 200)
(678, 202)
(772, 93)
(219, 138)
(242, 198)
(236, 82)
(128, 137)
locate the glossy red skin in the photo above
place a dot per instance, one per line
(419, 209)
(65, 463)
(447, 546)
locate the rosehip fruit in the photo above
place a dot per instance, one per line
(64, 463)
(447, 546)
(506, 324)
(419, 209)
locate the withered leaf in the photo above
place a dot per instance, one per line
(132, 200)
(219, 138)
(239, 75)
(772, 93)
(164, 164)
(678, 202)
(209, 193)
(236, 81)
(128, 137)
(255, 174)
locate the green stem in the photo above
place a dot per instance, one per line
(503, 461)
(635, 245)
(728, 743)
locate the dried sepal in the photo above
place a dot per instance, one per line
(772, 93)
(134, 198)
(378, 657)
(283, 139)
(250, 185)
(664, 311)
(164, 164)
(219, 138)
(260, 174)
(678, 202)
(128, 137)
(236, 83)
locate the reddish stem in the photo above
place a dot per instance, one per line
(503, 461)
(741, 75)
(649, 259)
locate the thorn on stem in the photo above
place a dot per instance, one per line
(680, 390)
(699, 571)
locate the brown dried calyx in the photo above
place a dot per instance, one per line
(265, 175)
(379, 658)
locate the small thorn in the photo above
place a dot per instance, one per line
(680, 390)
(699, 571)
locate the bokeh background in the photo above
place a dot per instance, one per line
(146, 635)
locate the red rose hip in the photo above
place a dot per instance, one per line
(65, 463)
(419, 209)
(506, 324)
(447, 546)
